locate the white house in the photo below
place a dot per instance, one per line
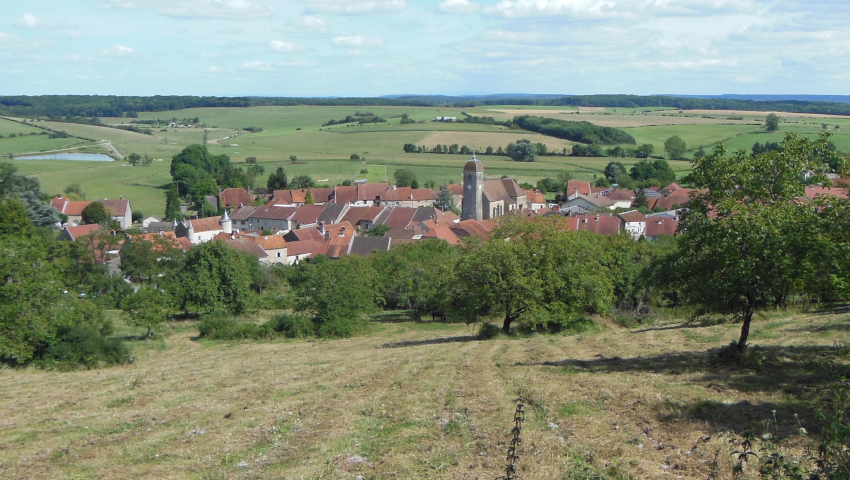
(634, 223)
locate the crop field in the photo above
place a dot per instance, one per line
(324, 152)
(645, 402)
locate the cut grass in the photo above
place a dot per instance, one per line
(343, 408)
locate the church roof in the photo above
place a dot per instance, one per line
(473, 165)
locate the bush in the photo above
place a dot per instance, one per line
(220, 326)
(83, 346)
(292, 326)
(488, 331)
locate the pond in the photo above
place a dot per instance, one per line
(80, 157)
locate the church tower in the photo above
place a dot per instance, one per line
(226, 224)
(473, 184)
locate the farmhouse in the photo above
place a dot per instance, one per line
(633, 223)
(119, 210)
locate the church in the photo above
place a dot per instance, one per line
(489, 199)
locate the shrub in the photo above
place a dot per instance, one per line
(488, 331)
(220, 326)
(83, 346)
(292, 326)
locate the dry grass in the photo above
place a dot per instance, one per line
(339, 409)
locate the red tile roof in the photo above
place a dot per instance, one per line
(583, 188)
(272, 212)
(77, 232)
(408, 194)
(308, 233)
(813, 192)
(234, 197)
(633, 216)
(205, 224)
(601, 224)
(355, 215)
(657, 226)
(346, 194)
(399, 217)
(456, 189)
(619, 195)
(371, 191)
(307, 214)
(535, 196)
(313, 247)
(443, 232)
(667, 203)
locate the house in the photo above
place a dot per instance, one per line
(602, 224)
(407, 197)
(275, 247)
(661, 226)
(168, 238)
(333, 213)
(397, 218)
(536, 199)
(671, 202)
(307, 233)
(73, 233)
(244, 245)
(591, 203)
(241, 217)
(363, 217)
(339, 238)
(232, 198)
(621, 198)
(367, 245)
(468, 228)
(120, 210)
(633, 223)
(575, 188)
(307, 215)
(272, 217)
(456, 190)
(297, 252)
(150, 219)
(202, 230)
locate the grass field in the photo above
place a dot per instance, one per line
(615, 401)
(323, 152)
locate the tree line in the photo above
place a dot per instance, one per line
(119, 106)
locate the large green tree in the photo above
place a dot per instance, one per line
(303, 181)
(675, 147)
(95, 213)
(537, 273)
(277, 180)
(28, 191)
(213, 277)
(771, 123)
(522, 151)
(749, 243)
(404, 177)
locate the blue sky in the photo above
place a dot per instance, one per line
(380, 47)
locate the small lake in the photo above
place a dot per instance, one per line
(80, 157)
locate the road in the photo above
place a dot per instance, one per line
(114, 150)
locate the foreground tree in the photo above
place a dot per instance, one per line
(404, 177)
(748, 243)
(213, 277)
(537, 273)
(95, 213)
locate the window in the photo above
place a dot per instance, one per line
(278, 254)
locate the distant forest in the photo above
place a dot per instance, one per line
(119, 106)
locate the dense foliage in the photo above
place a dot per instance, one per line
(583, 132)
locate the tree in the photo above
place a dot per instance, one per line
(308, 198)
(430, 184)
(74, 192)
(213, 277)
(771, 123)
(277, 180)
(356, 157)
(536, 273)
(338, 295)
(250, 160)
(134, 158)
(95, 213)
(293, 158)
(675, 147)
(146, 307)
(700, 153)
(172, 203)
(614, 169)
(414, 184)
(522, 151)
(303, 181)
(644, 151)
(28, 192)
(445, 200)
(378, 231)
(747, 244)
(404, 177)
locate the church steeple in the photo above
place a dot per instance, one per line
(473, 184)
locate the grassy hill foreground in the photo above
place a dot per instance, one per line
(612, 403)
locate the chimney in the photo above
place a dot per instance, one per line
(322, 227)
(597, 218)
(585, 219)
(327, 235)
(394, 187)
(121, 197)
(342, 232)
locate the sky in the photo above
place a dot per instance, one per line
(441, 47)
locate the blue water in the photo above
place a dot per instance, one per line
(80, 157)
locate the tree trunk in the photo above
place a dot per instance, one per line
(745, 330)
(506, 327)
(150, 333)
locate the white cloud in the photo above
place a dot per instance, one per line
(119, 50)
(197, 8)
(458, 6)
(618, 8)
(229, 31)
(32, 22)
(280, 46)
(314, 22)
(357, 42)
(7, 37)
(256, 65)
(354, 7)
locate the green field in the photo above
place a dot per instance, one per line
(324, 152)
